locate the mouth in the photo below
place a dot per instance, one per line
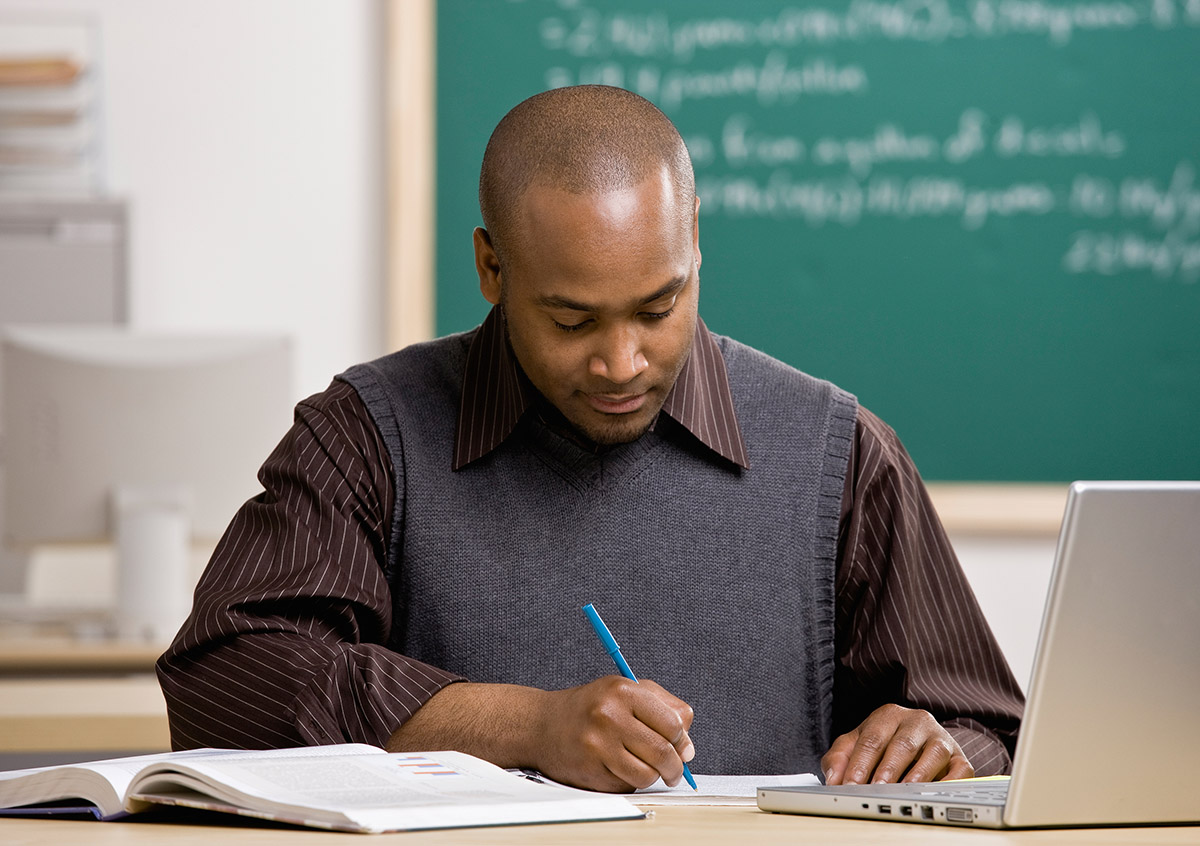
(616, 403)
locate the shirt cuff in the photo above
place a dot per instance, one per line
(983, 747)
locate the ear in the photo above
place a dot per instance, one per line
(696, 232)
(487, 265)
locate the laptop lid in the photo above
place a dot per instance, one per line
(1109, 734)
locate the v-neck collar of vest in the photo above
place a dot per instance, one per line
(496, 395)
(584, 467)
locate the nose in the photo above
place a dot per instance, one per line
(620, 358)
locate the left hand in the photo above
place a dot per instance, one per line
(895, 744)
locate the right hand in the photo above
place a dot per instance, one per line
(614, 735)
(611, 734)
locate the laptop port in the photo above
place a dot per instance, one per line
(906, 810)
(960, 815)
(926, 812)
(885, 809)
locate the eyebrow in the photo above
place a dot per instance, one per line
(674, 286)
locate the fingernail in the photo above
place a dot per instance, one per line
(689, 753)
(829, 775)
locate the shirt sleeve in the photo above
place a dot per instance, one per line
(909, 629)
(285, 644)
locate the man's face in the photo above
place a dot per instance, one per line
(600, 299)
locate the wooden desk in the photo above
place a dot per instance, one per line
(95, 714)
(695, 826)
(61, 695)
(27, 656)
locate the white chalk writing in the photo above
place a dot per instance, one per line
(888, 143)
(846, 201)
(1084, 138)
(773, 80)
(743, 144)
(765, 146)
(1111, 253)
(1171, 205)
(584, 32)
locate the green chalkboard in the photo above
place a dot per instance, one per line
(982, 218)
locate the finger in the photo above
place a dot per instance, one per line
(913, 757)
(667, 715)
(874, 737)
(611, 767)
(653, 751)
(960, 767)
(615, 776)
(630, 771)
(686, 750)
(673, 703)
(941, 758)
(916, 741)
(833, 762)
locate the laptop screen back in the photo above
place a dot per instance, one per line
(1110, 733)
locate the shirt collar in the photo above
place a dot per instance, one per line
(495, 394)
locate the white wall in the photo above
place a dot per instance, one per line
(1010, 575)
(247, 137)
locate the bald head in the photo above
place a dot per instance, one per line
(587, 139)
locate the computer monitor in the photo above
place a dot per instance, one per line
(61, 261)
(150, 441)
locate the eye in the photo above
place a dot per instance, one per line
(659, 315)
(571, 327)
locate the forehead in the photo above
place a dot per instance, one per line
(628, 237)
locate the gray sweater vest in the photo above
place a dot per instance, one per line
(717, 582)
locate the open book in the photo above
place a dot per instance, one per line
(348, 787)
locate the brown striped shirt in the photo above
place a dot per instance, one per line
(285, 643)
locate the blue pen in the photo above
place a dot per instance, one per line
(614, 651)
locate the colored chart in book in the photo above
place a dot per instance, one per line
(420, 766)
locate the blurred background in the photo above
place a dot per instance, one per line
(980, 217)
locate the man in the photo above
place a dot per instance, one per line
(761, 546)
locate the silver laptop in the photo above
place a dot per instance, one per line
(1111, 734)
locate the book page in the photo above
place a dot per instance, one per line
(716, 789)
(104, 783)
(710, 789)
(99, 783)
(378, 793)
